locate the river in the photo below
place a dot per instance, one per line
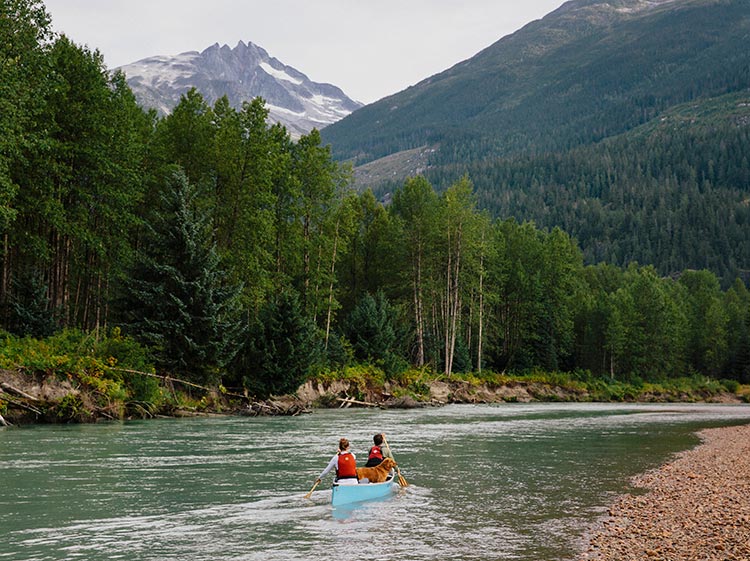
(515, 481)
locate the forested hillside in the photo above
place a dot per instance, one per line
(224, 252)
(622, 122)
(675, 196)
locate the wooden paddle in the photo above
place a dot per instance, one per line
(401, 480)
(309, 494)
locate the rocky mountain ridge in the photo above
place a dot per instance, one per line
(241, 73)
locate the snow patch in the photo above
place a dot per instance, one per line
(643, 5)
(162, 69)
(277, 109)
(279, 74)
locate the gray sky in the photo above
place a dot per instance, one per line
(370, 49)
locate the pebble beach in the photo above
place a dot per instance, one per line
(697, 507)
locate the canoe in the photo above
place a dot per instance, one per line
(345, 494)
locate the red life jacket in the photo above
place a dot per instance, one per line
(375, 453)
(347, 466)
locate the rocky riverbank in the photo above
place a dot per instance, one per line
(695, 508)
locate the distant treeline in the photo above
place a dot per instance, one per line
(233, 253)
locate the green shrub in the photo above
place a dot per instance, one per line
(730, 385)
(71, 408)
(94, 363)
(361, 376)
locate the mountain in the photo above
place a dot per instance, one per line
(624, 122)
(242, 74)
(589, 70)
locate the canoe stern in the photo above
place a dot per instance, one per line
(345, 494)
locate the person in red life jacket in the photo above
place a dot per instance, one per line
(377, 453)
(345, 464)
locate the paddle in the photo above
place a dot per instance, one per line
(309, 494)
(401, 480)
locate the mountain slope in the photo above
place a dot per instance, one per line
(242, 73)
(624, 122)
(589, 70)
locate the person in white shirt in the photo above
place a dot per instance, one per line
(345, 463)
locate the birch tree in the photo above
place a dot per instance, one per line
(461, 235)
(416, 205)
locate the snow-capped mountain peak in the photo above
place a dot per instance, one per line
(243, 73)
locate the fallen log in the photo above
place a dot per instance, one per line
(16, 391)
(16, 403)
(171, 379)
(257, 408)
(351, 401)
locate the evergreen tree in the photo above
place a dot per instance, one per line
(374, 331)
(29, 313)
(281, 347)
(176, 299)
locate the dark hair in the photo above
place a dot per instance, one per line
(343, 444)
(378, 439)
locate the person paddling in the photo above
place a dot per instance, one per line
(376, 454)
(345, 463)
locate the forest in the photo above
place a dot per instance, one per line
(675, 197)
(223, 251)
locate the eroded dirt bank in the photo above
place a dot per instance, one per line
(36, 397)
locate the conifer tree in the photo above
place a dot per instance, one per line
(177, 300)
(281, 346)
(374, 331)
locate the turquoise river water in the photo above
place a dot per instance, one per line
(508, 481)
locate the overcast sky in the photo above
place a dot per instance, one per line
(368, 48)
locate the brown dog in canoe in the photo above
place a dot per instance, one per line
(376, 474)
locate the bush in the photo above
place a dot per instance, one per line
(360, 375)
(730, 385)
(71, 408)
(85, 359)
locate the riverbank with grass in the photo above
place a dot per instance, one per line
(77, 377)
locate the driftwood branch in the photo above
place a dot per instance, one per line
(258, 408)
(351, 401)
(15, 403)
(16, 391)
(171, 379)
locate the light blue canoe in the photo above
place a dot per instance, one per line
(345, 494)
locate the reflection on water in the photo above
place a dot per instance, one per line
(486, 482)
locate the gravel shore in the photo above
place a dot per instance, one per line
(695, 508)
